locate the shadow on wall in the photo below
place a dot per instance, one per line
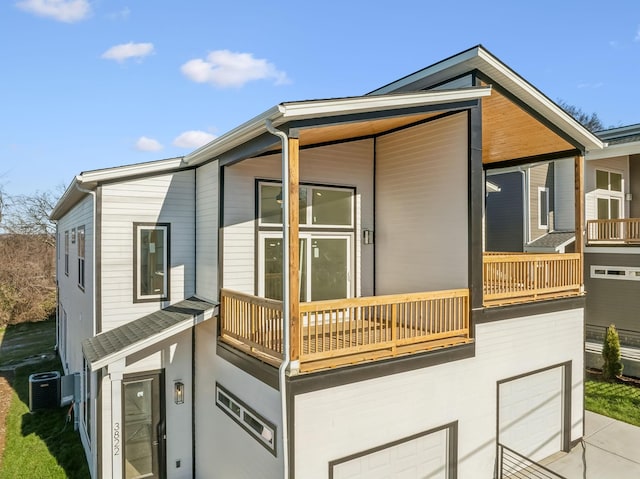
(54, 448)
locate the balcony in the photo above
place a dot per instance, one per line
(339, 332)
(625, 231)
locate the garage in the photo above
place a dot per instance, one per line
(531, 413)
(425, 455)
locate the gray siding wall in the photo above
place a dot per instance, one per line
(422, 207)
(612, 301)
(540, 176)
(564, 211)
(504, 213)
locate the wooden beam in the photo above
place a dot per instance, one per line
(579, 202)
(294, 247)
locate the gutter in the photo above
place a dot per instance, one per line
(286, 359)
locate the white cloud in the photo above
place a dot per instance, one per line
(120, 15)
(223, 69)
(148, 144)
(193, 139)
(125, 51)
(68, 11)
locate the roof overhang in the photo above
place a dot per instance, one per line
(479, 59)
(130, 338)
(312, 114)
(618, 149)
(87, 181)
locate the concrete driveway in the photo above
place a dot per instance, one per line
(611, 449)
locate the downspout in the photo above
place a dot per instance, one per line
(286, 359)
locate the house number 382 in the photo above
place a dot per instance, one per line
(116, 439)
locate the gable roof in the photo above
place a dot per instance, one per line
(118, 343)
(479, 59)
(620, 141)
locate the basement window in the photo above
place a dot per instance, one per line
(616, 272)
(259, 428)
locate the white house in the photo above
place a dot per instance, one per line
(388, 344)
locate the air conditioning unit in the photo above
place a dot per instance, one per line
(44, 390)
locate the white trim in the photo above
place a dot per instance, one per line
(628, 273)
(545, 190)
(165, 261)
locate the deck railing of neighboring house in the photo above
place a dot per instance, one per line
(512, 465)
(513, 278)
(624, 230)
(345, 331)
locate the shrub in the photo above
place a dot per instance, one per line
(612, 366)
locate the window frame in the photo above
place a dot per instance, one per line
(66, 252)
(624, 273)
(543, 191)
(138, 297)
(81, 244)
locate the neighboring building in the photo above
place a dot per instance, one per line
(612, 255)
(348, 241)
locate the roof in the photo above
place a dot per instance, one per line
(118, 343)
(480, 59)
(620, 141)
(553, 240)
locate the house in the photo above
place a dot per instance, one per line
(309, 295)
(612, 253)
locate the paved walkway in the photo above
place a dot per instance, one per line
(611, 451)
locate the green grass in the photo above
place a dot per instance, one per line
(42, 444)
(615, 400)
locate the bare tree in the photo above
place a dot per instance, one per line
(590, 121)
(27, 257)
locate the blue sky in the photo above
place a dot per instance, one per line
(90, 84)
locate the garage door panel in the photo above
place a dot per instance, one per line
(530, 413)
(425, 457)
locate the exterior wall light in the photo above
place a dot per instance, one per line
(367, 236)
(178, 392)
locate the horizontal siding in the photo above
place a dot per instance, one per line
(207, 231)
(564, 212)
(345, 164)
(336, 422)
(421, 207)
(161, 199)
(77, 303)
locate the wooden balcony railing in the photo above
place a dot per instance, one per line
(625, 230)
(345, 331)
(524, 277)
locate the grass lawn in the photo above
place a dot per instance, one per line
(42, 444)
(618, 401)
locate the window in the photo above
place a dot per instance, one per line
(252, 422)
(628, 273)
(66, 253)
(609, 195)
(608, 180)
(543, 208)
(151, 262)
(326, 241)
(81, 252)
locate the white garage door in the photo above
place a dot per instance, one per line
(423, 457)
(530, 414)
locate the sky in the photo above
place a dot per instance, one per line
(90, 84)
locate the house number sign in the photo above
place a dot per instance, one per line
(116, 439)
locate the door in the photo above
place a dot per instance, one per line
(504, 213)
(143, 418)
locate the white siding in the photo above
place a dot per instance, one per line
(76, 302)
(344, 164)
(207, 231)
(564, 200)
(337, 422)
(421, 207)
(162, 199)
(223, 448)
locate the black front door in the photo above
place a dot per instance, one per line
(144, 434)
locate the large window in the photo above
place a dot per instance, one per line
(151, 258)
(81, 253)
(326, 241)
(609, 195)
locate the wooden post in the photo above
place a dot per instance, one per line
(294, 246)
(579, 200)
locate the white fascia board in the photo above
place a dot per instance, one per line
(611, 151)
(292, 111)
